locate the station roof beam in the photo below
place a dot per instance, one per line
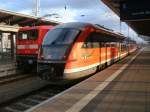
(6, 18)
(136, 13)
(13, 18)
(17, 21)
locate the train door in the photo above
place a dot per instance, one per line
(103, 54)
(113, 52)
(105, 50)
(102, 51)
(109, 53)
(96, 49)
(117, 51)
(90, 51)
(99, 50)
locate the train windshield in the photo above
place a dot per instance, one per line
(28, 35)
(60, 36)
(57, 42)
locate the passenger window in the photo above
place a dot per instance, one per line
(97, 39)
(123, 47)
(87, 45)
(96, 44)
(92, 41)
(88, 42)
(102, 44)
(113, 44)
(107, 44)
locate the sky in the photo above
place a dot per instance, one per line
(92, 11)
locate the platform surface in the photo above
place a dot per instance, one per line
(6, 60)
(7, 67)
(122, 87)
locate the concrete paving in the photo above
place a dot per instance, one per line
(119, 88)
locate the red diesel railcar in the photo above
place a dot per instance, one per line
(74, 50)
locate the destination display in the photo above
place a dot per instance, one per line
(135, 10)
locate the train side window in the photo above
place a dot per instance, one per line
(99, 40)
(102, 44)
(24, 36)
(96, 45)
(108, 44)
(123, 47)
(113, 44)
(95, 39)
(88, 42)
(87, 45)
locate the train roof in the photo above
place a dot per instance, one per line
(36, 27)
(81, 25)
(76, 25)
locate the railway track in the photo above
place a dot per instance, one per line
(9, 73)
(7, 69)
(13, 78)
(31, 99)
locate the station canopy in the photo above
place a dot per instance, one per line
(11, 21)
(136, 13)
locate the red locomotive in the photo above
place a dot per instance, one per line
(74, 50)
(27, 45)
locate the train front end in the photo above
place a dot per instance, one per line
(27, 46)
(54, 53)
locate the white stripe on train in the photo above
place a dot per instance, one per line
(91, 66)
(31, 46)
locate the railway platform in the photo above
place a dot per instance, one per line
(122, 87)
(6, 62)
(7, 66)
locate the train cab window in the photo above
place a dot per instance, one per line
(33, 34)
(24, 36)
(95, 40)
(88, 43)
(28, 34)
(60, 36)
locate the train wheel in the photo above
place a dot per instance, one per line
(97, 68)
(103, 66)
